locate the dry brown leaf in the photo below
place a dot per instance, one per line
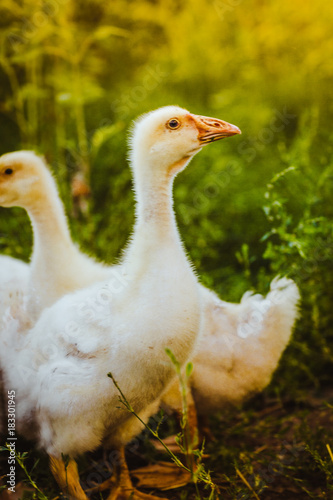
(169, 441)
(162, 476)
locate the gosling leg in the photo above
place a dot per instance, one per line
(124, 489)
(67, 477)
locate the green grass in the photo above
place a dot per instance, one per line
(248, 208)
(278, 445)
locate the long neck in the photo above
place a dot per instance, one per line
(155, 219)
(52, 240)
(154, 205)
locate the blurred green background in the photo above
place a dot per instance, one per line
(74, 74)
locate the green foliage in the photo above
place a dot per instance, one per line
(300, 243)
(73, 75)
(21, 459)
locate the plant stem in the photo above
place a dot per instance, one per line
(129, 407)
(20, 461)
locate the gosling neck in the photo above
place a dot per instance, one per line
(154, 200)
(155, 236)
(154, 204)
(52, 240)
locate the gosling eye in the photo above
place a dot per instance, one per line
(173, 124)
(9, 171)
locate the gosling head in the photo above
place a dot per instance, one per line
(167, 138)
(23, 175)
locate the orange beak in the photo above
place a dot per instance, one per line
(213, 129)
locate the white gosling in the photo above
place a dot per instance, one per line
(240, 346)
(12, 270)
(57, 266)
(119, 328)
(14, 281)
(14, 275)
